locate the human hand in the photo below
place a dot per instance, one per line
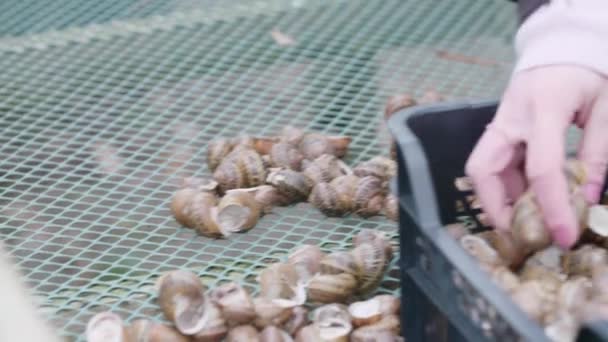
(524, 146)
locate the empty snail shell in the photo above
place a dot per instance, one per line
(269, 313)
(292, 135)
(297, 320)
(339, 262)
(285, 155)
(505, 278)
(214, 328)
(234, 302)
(371, 261)
(267, 196)
(237, 212)
(389, 304)
(365, 312)
(379, 167)
(325, 168)
(573, 292)
(563, 329)
(280, 282)
(333, 322)
(506, 246)
(314, 145)
(243, 333)
(374, 236)
(106, 327)
(217, 150)
(331, 288)
(481, 250)
(369, 196)
(146, 330)
(325, 198)
(391, 207)
(291, 183)
(307, 260)
(274, 334)
(532, 299)
(182, 300)
(583, 260)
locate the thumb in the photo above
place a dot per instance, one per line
(593, 152)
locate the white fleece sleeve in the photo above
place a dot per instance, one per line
(571, 32)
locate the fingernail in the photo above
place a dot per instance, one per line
(592, 193)
(564, 237)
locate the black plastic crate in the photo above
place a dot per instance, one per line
(446, 295)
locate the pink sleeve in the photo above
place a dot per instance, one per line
(565, 32)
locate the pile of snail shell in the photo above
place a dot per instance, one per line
(559, 289)
(251, 175)
(279, 313)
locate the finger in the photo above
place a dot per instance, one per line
(513, 176)
(545, 164)
(594, 149)
(492, 155)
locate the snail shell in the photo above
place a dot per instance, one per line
(292, 135)
(563, 329)
(267, 196)
(182, 301)
(528, 225)
(331, 288)
(379, 167)
(324, 168)
(371, 261)
(391, 207)
(307, 260)
(339, 262)
(365, 335)
(389, 304)
(106, 327)
(599, 281)
(234, 302)
(505, 278)
(291, 183)
(190, 207)
(374, 236)
(217, 150)
(583, 260)
(280, 282)
(237, 212)
(285, 155)
(253, 166)
(314, 145)
(346, 187)
(243, 333)
(325, 198)
(369, 196)
(388, 324)
(365, 312)
(333, 322)
(215, 328)
(481, 250)
(396, 103)
(297, 320)
(273, 334)
(573, 292)
(146, 330)
(531, 297)
(309, 333)
(509, 251)
(269, 313)
(242, 168)
(550, 280)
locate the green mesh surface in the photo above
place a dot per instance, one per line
(99, 123)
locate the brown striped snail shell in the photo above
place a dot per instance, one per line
(267, 196)
(314, 145)
(285, 155)
(324, 168)
(243, 333)
(217, 150)
(292, 184)
(505, 244)
(391, 207)
(374, 236)
(190, 207)
(269, 313)
(254, 168)
(182, 300)
(234, 302)
(583, 260)
(365, 312)
(369, 196)
(237, 211)
(339, 262)
(281, 282)
(106, 327)
(215, 327)
(274, 334)
(346, 187)
(242, 168)
(379, 167)
(371, 262)
(297, 320)
(149, 331)
(307, 260)
(325, 198)
(331, 288)
(550, 280)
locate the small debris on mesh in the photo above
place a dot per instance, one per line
(281, 38)
(458, 57)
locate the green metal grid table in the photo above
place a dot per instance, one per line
(105, 106)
